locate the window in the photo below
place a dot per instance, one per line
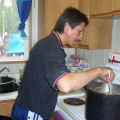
(12, 46)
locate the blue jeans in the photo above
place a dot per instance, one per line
(19, 113)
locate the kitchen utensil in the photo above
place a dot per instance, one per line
(109, 84)
(100, 104)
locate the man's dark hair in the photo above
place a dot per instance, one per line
(71, 15)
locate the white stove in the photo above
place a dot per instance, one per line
(75, 112)
(69, 112)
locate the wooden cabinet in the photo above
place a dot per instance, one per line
(6, 107)
(83, 7)
(53, 10)
(101, 8)
(104, 8)
(116, 7)
(97, 35)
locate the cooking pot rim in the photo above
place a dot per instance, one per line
(89, 87)
(104, 93)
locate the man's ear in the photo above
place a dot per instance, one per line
(67, 27)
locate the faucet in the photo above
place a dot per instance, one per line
(5, 68)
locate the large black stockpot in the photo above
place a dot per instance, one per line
(100, 103)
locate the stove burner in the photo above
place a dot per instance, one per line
(74, 101)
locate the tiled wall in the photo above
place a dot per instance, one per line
(96, 58)
(99, 58)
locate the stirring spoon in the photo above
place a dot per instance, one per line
(109, 84)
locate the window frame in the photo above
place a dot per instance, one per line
(29, 46)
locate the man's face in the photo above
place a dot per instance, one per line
(74, 35)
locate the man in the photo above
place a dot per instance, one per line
(46, 74)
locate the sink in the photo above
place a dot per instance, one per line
(3, 75)
(8, 84)
(15, 87)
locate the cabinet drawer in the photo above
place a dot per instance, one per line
(6, 107)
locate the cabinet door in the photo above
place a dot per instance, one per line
(116, 5)
(83, 6)
(101, 7)
(53, 10)
(100, 33)
(6, 107)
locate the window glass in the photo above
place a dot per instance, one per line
(12, 46)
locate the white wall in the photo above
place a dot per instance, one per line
(69, 51)
(116, 34)
(38, 14)
(34, 22)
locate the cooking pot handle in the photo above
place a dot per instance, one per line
(15, 81)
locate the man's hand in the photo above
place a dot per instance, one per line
(104, 74)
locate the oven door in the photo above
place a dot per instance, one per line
(61, 114)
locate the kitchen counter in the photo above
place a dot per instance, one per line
(8, 96)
